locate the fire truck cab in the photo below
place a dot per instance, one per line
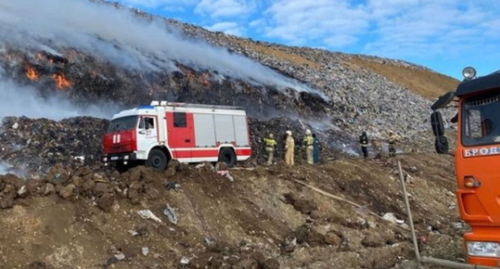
(477, 156)
(190, 133)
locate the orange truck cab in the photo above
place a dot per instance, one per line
(477, 160)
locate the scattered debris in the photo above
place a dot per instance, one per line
(170, 213)
(209, 241)
(392, 218)
(172, 186)
(147, 214)
(21, 190)
(226, 174)
(185, 260)
(119, 256)
(145, 251)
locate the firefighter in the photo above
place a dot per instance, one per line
(363, 142)
(289, 148)
(308, 143)
(270, 144)
(315, 149)
(393, 138)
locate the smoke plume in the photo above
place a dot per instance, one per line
(16, 100)
(3, 168)
(124, 39)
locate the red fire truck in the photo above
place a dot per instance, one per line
(477, 155)
(157, 133)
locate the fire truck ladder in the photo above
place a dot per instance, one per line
(174, 104)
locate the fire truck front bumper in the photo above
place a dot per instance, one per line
(119, 157)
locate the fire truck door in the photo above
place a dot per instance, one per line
(147, 133)
(181, 135)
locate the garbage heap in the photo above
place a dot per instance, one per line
(30, 147)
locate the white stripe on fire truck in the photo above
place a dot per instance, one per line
(186, 149)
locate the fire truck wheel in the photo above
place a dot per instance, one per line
(157, 159)
(228, 157)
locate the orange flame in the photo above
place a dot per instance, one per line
(31, 73)
(205, 79)
(190, 75)
(61, 81)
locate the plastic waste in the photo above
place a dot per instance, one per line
(147, 214)
(170, 213)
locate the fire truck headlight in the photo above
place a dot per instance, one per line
(125, 157)
(105, 159)
(469, 72)
(483, 249)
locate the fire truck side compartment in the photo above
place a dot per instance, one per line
(224, 129)
(205, 136)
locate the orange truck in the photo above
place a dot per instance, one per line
(477, 160)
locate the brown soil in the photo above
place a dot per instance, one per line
(276, 53)
(86, 218)
(422, 82)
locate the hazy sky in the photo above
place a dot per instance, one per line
(444, 35)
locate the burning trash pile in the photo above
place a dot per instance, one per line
(34, 145)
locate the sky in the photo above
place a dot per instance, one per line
(443, 35)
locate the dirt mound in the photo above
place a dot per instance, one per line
(194, 217)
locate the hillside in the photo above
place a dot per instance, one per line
(63, 76)
(263, 218)
(421, 81)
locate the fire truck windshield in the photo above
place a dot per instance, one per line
(123, 124)
(480, 120)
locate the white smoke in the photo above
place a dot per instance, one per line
(3, 168)
(16, 100)
(123, 39)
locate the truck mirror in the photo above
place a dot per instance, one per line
(437, 123)
(441, 145)
(443, 100)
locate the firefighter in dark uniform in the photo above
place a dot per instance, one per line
(363, 142)
(315, 149)
(270, 145)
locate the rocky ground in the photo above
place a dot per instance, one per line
(255, 217)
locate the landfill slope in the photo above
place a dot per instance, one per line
(235, 218)
(335, 94)
(61, 208)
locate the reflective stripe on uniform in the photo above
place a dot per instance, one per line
(269, 142)
(309, 140)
